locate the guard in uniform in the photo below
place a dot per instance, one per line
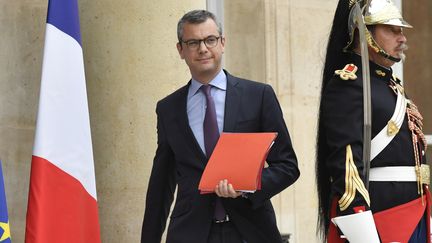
(393, 205)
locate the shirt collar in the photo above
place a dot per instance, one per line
(220, 82)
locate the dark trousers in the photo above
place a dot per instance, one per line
(420, 233)
(224, 233)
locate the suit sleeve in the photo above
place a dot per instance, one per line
(342, 117)
(161, 187)
(282, 170)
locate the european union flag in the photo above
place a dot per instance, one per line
(5, 236)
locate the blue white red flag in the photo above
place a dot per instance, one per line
(62, 204)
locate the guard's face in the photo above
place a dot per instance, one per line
(204, 60)
(392, 40)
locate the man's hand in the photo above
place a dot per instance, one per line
(223, 189)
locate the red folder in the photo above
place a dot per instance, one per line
(239, 158)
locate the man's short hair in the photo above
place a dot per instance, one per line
(196, 17)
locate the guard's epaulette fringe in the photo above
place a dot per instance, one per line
(348, 72)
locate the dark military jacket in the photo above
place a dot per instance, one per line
(342, 121)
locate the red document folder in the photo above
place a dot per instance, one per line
(239, 158)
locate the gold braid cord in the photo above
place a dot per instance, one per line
(353, 182)
(415, 125)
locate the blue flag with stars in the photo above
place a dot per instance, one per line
(5, 236)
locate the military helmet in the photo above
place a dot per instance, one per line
(376, 12)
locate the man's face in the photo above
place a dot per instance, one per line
(392, 40)
(204, 62)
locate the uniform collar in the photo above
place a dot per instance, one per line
(376, 70)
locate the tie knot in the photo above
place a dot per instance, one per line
(206, 89)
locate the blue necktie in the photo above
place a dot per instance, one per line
(211, 136)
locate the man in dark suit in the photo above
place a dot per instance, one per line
(238, 105)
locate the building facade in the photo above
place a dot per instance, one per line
(131, 62)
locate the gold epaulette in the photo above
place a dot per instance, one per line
(348, 72)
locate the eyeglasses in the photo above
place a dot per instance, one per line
(209, 42)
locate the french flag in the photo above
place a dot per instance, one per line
(62, 204)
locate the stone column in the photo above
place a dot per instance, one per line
(22, 24)
(131, 62)
(417, 71)
(283, 42)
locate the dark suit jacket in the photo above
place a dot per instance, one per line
(179, 160)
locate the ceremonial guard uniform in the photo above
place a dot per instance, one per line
(398, 195)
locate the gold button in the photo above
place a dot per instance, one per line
(380, 73)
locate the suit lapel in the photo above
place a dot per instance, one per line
(232, 103)
(181, 111)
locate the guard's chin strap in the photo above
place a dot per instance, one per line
(388, 56)
(372, 43)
